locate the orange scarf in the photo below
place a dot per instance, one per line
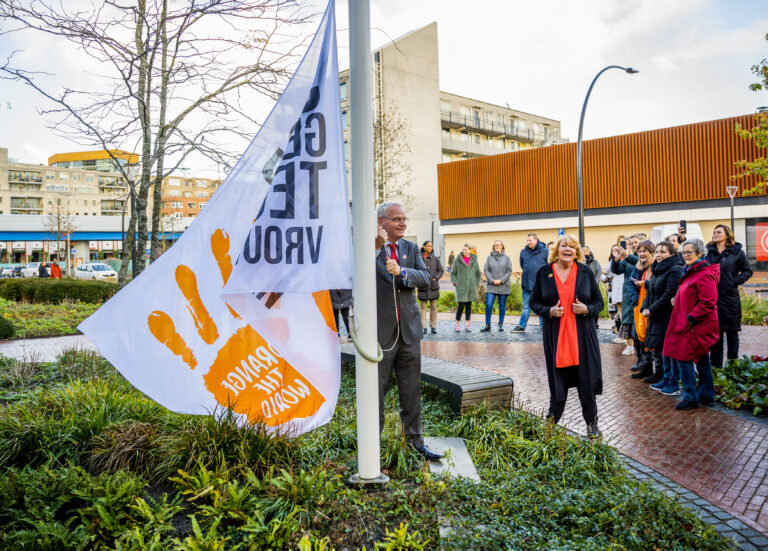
(641, 322)
(567, 338)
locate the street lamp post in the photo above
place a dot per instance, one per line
(579, 182)
(731, 193)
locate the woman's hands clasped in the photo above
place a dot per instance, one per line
(577, 307)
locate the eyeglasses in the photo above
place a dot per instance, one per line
(686, 253)
(402, 220)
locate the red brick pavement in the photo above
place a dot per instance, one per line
(720, 456)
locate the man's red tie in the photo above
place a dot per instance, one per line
(393, 256)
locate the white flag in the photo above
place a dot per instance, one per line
(275, 359)
(300, 238)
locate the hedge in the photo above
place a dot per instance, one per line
(53, 291)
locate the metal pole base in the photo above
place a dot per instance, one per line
(358, 482)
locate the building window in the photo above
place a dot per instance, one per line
(445, 106)
(177, 204)
(175, 182)
(464, 136)
(343, 90)
(187, 194)
(76, 177)
(202, 183)
(188, 183)
(446, 134)
(202, 204)
(202, 194)
(174, 193)
(63, 176)
(50, 176)
(89, 178)
(190, 205)
(344, 120)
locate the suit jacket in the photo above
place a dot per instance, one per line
(416, 275)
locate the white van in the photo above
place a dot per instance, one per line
(659, 233)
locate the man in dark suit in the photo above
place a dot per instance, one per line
(400, 270)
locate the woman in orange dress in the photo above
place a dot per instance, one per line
(565, 294)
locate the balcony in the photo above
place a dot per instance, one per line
(15, 186)
(470, 148)
(452, 119)
(24, 178)
(26, 210)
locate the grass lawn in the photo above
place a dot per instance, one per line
(87, 462)
(46, 320)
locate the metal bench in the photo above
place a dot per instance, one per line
(468, 385)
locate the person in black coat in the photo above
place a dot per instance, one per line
(734, 271)
(341, 302)
(586, 374)
(657, 307)
(429, 294)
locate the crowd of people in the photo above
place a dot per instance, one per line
(677, 303)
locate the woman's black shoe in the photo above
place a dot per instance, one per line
(655, 378)
(642, 374)
(486, 329)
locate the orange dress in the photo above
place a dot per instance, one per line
(567, 339)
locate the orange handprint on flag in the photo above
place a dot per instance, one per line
(247, 375)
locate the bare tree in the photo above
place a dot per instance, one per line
(391, 157)
(174, 82)
(61, 224)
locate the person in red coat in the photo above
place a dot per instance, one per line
(55, 270)
(693, 326)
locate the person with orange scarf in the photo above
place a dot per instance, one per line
(640, 275)
(565, 294)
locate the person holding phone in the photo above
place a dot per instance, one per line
(623, 263)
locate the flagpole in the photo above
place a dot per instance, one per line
(366, 371)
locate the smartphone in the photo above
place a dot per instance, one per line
(623, 244)
(683, 225)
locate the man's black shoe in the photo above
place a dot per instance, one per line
(428, 454)
(707, 402)
(518, 329)
(425, 330)
(485, 329)
(434, 331)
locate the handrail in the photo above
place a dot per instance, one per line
(355, 340)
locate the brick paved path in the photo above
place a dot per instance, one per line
(720, 456)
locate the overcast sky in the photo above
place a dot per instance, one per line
(694, 58)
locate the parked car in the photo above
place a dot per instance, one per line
(30, 270)
(96, 270)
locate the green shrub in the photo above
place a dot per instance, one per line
(741, 383)
(7, 328)
(753, 309)
(54, 291)
(46, 320)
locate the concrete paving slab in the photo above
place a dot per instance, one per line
(457, 461)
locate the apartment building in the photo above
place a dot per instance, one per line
(27, 188)
(472, 128)
(440, 127)
(186, 196)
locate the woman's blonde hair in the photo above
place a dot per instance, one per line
(503, 248)
(571, 242)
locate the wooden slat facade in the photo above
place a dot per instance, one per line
(683, 163)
